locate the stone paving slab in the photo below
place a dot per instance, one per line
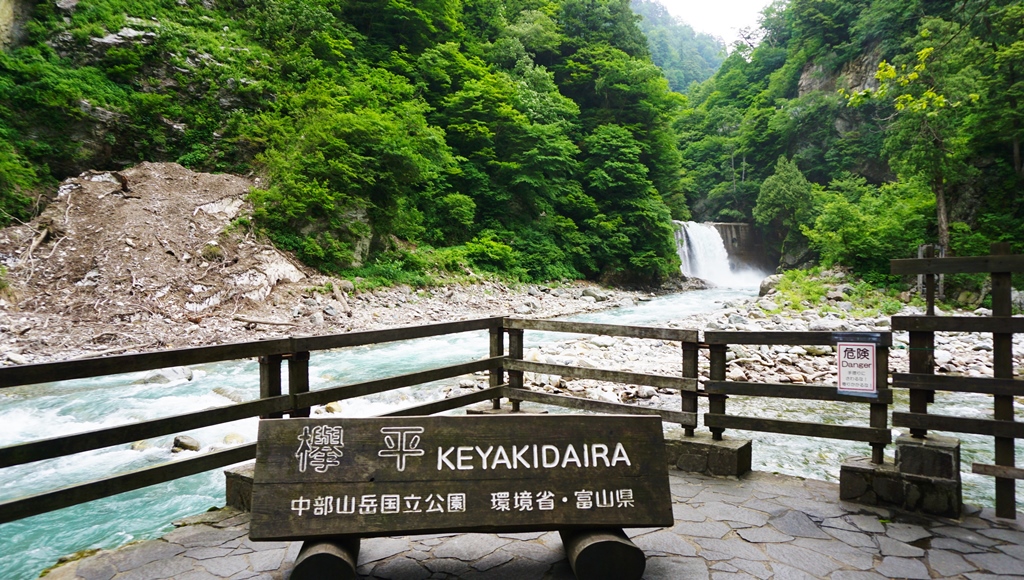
(759, 526)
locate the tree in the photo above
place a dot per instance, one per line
(785, 203)
(932, 94)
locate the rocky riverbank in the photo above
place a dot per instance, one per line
(158, 257)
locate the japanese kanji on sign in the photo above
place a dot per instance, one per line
(857, 369)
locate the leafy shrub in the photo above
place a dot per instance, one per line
(863, 227)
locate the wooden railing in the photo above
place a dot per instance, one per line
(923, 384)
(295, 352)
(272, 403)
(686, 384)
(876, 433)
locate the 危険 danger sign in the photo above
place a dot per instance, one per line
(856, 369)
(381, 476)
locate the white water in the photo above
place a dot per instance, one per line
(703, 255)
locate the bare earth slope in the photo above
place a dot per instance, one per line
(151, 258)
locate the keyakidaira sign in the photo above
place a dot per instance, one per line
(382, 476)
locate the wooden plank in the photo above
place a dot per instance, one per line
(128, 363)
(393, 334)
(684, 419)
(652, 332)
(319, 478)
(658, 381)
(1003, 324)
(791, 391)
(847, 432)
(958, 265)
(77, 443)
(49, 501)
(990, 427)
(340, 393)
(957, 384)
(447, 404)
(998, 471)
(796, 337)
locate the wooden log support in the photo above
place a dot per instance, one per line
(298, 380)
(1002, 368)
(322, 559)
(689, 399)
(716, 403)
(603, 554)
(270, 380)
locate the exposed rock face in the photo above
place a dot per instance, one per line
(859, 74)
(814, 78)
(13, 14)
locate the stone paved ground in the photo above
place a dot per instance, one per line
(757, 527)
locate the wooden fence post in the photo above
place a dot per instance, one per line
(515, 351)
(298, 379)
(689, 398)
(1002, 367)
(879, 414)
(922, 352)
(716, 403)
(270, 380)
(496, 377)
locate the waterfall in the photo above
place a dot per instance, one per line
(703, 255)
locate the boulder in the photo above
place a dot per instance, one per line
(185, 443)
(769, 284)
(234, 439)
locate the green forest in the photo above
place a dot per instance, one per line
(539, 139)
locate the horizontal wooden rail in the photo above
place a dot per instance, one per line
(88, 441)
(629, 378)
(846, 432)
(984, 385)
(448, 404)
(791, 391)
(127, 363)
(340, 393)
(996, 324)
(49, 501)
(958, 265)
(652, 332)
(998, 470)
(684, 419)
(394, 334)
(1009, 429)
(796, 337)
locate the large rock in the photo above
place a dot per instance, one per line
(769, 284)
(185, 443)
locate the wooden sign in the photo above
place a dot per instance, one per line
(390, 475)
(857, 369)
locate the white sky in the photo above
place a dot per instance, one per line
(721, 18)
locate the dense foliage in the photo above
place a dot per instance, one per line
(529, 137)
(857, 129)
